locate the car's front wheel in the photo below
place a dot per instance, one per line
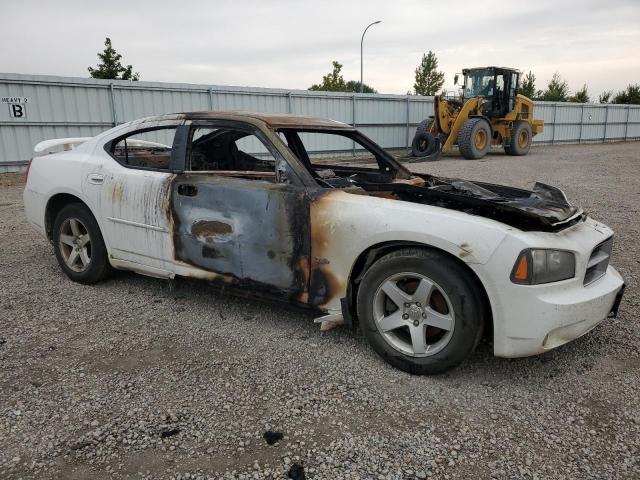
(79, 247)
(420, 310)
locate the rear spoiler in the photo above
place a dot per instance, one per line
(64, 144)
(57, 145)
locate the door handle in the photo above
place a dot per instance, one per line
(96, 178)
(187, 190)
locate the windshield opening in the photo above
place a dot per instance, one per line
(479, 83)
(341, 158)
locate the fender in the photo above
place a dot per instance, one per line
(337, 215)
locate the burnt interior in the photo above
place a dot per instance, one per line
(545, 208)
(219, 150)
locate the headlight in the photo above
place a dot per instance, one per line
(535, 266)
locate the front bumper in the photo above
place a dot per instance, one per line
(549, 318)
(616, 305)
(531, 319)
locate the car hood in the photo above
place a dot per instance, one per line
(543, 208)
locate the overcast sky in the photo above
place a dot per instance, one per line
(291, 43)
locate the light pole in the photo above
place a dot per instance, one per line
(361, 43)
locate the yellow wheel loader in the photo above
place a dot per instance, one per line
(489, 112)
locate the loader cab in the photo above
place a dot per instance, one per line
(498, 86)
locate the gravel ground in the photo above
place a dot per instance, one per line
(129, 379)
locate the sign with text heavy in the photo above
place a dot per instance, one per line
(17, 106)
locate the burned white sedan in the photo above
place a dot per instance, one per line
(423, 265)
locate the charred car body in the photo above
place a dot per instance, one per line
(423, 264)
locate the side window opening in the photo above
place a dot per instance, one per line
(230, 152)
(499, 85)
(147, 149)
(513, 90)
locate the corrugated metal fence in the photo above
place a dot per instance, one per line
(53, 107)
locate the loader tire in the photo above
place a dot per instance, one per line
(520, 141)
(424, 127)
(424, 144)
(474, 139)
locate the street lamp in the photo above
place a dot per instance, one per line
(361, 42)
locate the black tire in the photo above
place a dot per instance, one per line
(98, 266)
(520, 141)
(468, 138)
(423, 145)
(461, 293)
(507, 149)
(424, 126)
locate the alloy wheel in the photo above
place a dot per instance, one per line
(75, 245)
(413, 314)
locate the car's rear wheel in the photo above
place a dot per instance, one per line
(420, 310)
(79, 246)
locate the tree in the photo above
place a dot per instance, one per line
(528, 86)
(333, 81)
(557, 90)
(428, 79)
(629, 96)
(581, 96)
(111, 68)
(354, 86)
(605, 97)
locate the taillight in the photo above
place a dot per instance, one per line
(26, 172)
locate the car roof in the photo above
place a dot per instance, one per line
(273, 120)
